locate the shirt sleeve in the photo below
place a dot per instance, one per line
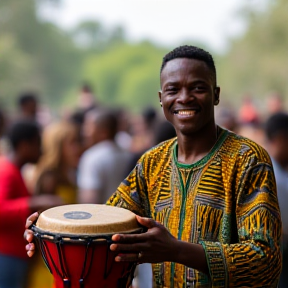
(132, 192)
(255, 260)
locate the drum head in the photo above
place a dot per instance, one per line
(87, 219)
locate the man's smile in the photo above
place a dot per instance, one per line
(186, 112)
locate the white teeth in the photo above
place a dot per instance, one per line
(186, 112)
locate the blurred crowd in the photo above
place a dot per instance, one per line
(82, 156)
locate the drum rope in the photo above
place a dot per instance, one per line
(81, 281)
(43, 250)
(51, 258)
(65, 276)
(108, 270)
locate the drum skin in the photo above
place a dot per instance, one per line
(80, 256)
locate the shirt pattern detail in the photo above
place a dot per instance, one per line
(227, 202)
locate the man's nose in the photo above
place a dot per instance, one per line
(185, 95)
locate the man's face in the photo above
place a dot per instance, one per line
(188, 94)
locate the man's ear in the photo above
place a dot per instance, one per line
(160, 96)
(216, 95)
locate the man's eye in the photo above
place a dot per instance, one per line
(199, 88)
(171, 90)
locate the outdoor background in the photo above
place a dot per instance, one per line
(53, 47)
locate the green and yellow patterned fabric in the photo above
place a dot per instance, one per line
(227, 202)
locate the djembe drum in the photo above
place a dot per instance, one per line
(74, 242)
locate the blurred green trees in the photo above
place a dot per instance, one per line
(257, 63)
(126, 75)
(34, 55)
(38, 55)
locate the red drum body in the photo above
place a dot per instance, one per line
(84, 259)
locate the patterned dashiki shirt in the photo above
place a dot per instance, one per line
(226, 202)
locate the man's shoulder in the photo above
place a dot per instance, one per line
(244, 146)
(164, 149)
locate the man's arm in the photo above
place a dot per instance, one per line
(255, 259)
(158, 245)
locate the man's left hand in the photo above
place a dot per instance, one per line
(155, 245)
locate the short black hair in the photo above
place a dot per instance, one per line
(190, 52)
(27, 97)
(275, 124)
(22, 131)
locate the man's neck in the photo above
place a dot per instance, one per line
(194, 147)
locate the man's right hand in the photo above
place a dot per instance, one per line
(29, 235)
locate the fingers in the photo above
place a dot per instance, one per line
(31, 219)
(146, 222)
(128, 247)
(130, 238)
(128, 257)
(29, 235)
(30, 248)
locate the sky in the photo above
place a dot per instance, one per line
(165, 22)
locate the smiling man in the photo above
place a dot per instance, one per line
(207, 197)
(211, 193)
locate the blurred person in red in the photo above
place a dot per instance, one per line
(250, 124)
(248, 113)
(55, 174)
(276, 129)
(99, 172)
(16, 203)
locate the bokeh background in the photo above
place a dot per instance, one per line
(54, 47)
(75, 58)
